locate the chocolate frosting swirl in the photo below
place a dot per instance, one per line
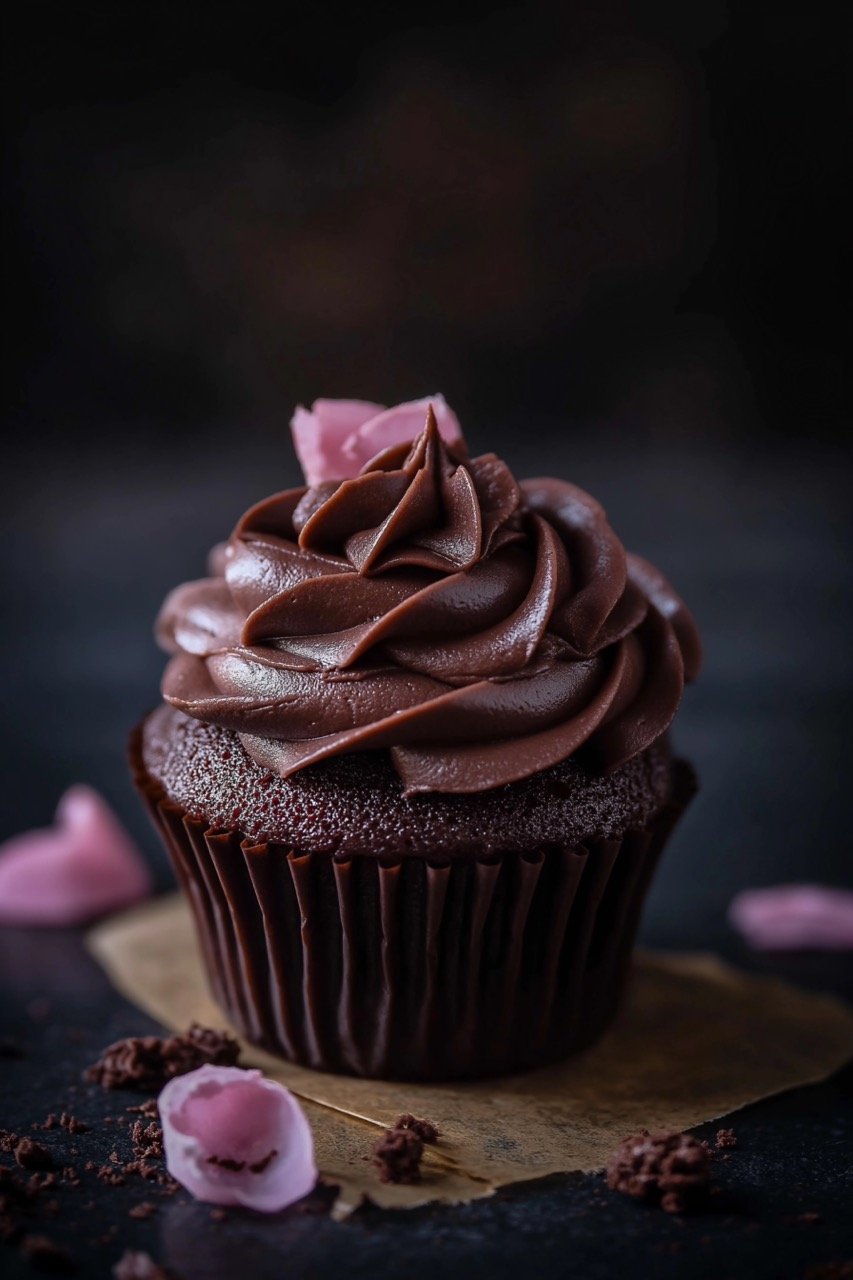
(480, 629)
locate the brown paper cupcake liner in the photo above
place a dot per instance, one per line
(421, 968)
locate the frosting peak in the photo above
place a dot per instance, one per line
(480, 629)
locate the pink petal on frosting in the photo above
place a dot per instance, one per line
(398, 425)
(791, 917)
(80, 868)
(234, 1137)
(335, 438)
(319, 435)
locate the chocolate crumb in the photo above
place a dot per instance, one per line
(136, 1265)
(32, 1155)
(426, 1132)
(145, 1209)
(147, 1140)
(397, 1156)
(148, 1108)
(41, 1182)
(45, 1255)
(726, 1139)
(811, 1218)
(50, 1121)
(148, 1062)
(109, 1174)
(72, 1124)
(8, 1141)
(669, 1169)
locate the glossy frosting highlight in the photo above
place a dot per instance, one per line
(479, 628)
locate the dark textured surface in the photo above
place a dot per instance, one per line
(793, 1157)
(354, 804)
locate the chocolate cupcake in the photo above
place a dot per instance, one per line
(413, 770)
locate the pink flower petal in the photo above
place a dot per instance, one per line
(319, 434)
(397, 426)
(792, 917)
(234, 1137)
(82, 867)
(335, 438)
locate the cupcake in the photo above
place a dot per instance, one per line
(412, 765)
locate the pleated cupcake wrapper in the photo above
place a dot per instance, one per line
(422, 968)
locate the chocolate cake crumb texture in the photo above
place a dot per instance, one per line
(726, 1140)
(667, 1169)
(426, 1132)
(148, 1062)
(147, 1140)
(356, 803)
(397, 1156)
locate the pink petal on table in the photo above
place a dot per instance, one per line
(791, 917)
(234, 1137)
(82, 867)
(335, 438)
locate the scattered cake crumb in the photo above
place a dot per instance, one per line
(726, 1139)
(397, 1156)
(426, 1131)
(147, 1140)
(668, 1169)
(148, 1109)
(8, 1141)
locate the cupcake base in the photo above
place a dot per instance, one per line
(421, 968)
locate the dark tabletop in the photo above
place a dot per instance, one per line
(756, 539)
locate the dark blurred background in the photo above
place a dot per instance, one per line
(610, 233)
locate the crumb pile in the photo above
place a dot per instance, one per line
(148, 1062)
(397, 1154)
(672, 1170)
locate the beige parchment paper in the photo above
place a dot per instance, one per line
(697, 1039)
